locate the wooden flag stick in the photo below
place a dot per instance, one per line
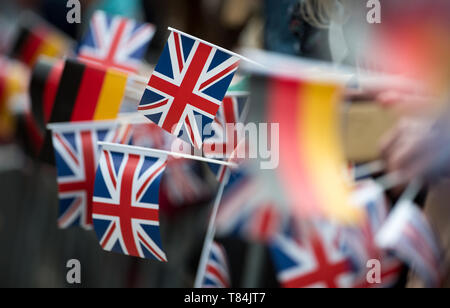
(151, 151)
(210, 233)
(369, 169)
(411, 191)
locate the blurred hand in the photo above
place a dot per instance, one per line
(418, 147)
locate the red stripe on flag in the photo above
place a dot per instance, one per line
(51, 88)
(218, 76)
(32, 43)
(88, 94)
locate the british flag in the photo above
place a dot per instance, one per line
(226, 133)
(410, 237)
(187, 86)
(126, 210)
(357, 241)
(115, 42)
(217, 270)
(76, 156)
(316, 262)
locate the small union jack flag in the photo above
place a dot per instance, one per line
(126, 193)
(227, 134)
(116, 42)
(357, 241)
(217, 270)
(76, 156)
(410, 237)
(187, 86)
(316, 262)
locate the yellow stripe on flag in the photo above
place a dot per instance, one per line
(53, 46)
(111, 96)
(319, 128)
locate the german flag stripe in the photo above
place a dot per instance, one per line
(33, 43)
(69, 87)
(51, 89)
(112, 93)
(88, 94)
(38, 83)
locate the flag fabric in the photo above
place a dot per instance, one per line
(226, 133)
(86, 93)
(358, 241)
(76, 157)
(316, 261)
(126, 210)
(183, 183)
(310, 157)
(44, 84)
(34, 38)
(247, 212)
(217, 274)
(408, 235)
(187, 86)
(115, 42)
(13, 78)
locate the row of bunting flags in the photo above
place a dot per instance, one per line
(110, 166)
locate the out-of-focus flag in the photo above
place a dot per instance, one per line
(115, 42)
(311, 161)
(316, 261)
(13, 83)
(183, 183)
(409, 236)
(126, 210)
(245, 211)
(187, 86)
(76, 157)
(358, 241)
(217, 274)
(226, 133)
(44, 84)
(34, 37)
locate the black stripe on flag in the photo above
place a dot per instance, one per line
(67, 93)
(39, 79)
(19, 42)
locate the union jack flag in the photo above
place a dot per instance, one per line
(187, 86)
(76, 157)
(358, 241)
(183, 182)
(316, 262)
(116, 42)
(217, 270)
(126, 210)
(409, 236)
(226, 133)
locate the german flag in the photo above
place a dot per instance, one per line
(311, 160)
(34, 41)
(87, 92)
(43, 87)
